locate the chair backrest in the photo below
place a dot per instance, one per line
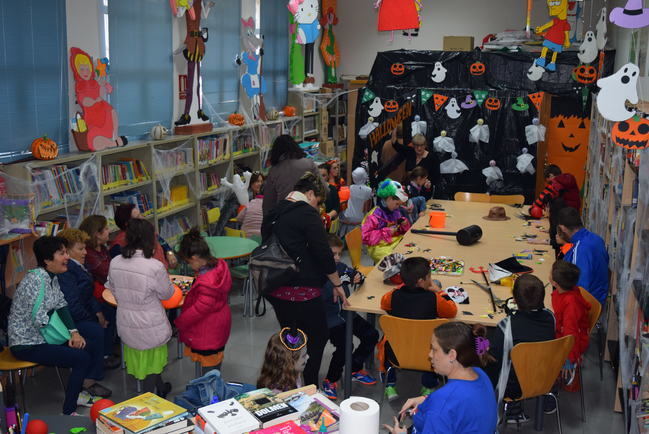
(595, 309)
(410, 340)
(213, 215)
(231, 232)
(354, 242)
(463, 196)
(508, 199)
(537, 364)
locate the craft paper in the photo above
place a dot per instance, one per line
(588, 48)
(520, 105)
(375, 108)
(439, 100)
(524, 162)
(368, 95)
(439, 73)
(480, 96)
(452, 165)
(615, 90)
(600, 29)
(397, 15)
(537, 99)
(631, 16)
(367, 128)
(442, 143)
(492, 173)
(469, 102)
(535, 133)
(424, 95)
(452, 109)
(418, 126)
(479, 132)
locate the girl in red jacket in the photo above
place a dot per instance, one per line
(205, 321)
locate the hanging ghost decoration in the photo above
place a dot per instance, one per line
(492, 173)
(452, 109)
(452, 165)
(418, 126)
(524, 162)
(442, 143)
(239, 186)
(479, 132)
(588, 48)
(616, 90)
(439, 73)
(535, 72)
(535, 133)
(367, 128)
(600, 29)
(375, 108)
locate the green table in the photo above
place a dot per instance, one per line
(231, 247)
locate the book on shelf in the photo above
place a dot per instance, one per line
(51, 227)
(267, 407)
(226, 417)
(174, 159)
(213, 148)
(123, 172)
(210, 181)
(242, 143)
(288, 427)
(178, 195)
(147, 413)
(173, 228)
(137, 198)
(52, 184)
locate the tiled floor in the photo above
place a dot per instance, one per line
(244, 356)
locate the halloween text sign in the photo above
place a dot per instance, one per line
(386, 127)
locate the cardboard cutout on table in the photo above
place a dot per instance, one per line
(616, 90)
(443, 143)
(99, 116)
(252, 81)
(631, 16)
(535, 133)
(601, 30)
(524, 162)
(588, 49)
(194, 51)
(555, 32)
(305, 13)
(329, 45)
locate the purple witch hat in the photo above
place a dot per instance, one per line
(632, 16)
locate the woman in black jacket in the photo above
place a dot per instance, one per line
(297, 224)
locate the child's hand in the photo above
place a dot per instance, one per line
(339, 294)
(396, 429)
(357, 278)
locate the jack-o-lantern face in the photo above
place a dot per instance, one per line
(397, 68)
(632, 133)
(585, 74)
(44, 148)
(572, 132)
(492, 103)
(391, 106)
(477, 68)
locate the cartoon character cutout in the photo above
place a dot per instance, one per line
(99, 116)
(305, 13)
(252, 81)
(376, 108)
(556, 33)
(452, 109)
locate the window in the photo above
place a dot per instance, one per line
(274, 27)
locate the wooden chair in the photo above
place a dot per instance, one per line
(593, 316)
(508, 199)
(354, 242)
(410, 342)
(463, 196)
(537, 366)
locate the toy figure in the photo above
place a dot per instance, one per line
(252, 81)
(305, 13)
(556, 33)
(99, 116)
(329, 46)
(194, 52)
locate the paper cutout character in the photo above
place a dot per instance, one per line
(439, 100)
(305, 13)
(252, 81)
(239, 186)
(556, 33)
(418, 126)
(631, 16)
(180, 7)
(99, 116)
(600, 29)
(535, 72)
(480, 96)
(588, 48)
(616, 90)
(479, 132)
(524, 162)
(439, 73)
(396, 15)
(296, 74)
(194, 51)
(535, 133)
(415, 32)
(452, 165)
(443, 143)
(375, 108)
(537, 99)
(452, 109)
(520, 105)
(492, 173)
(468, 103)
(366, 129)
(328, 44)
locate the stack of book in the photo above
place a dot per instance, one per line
(263, 411)
(212, 149)
(139, 199)
(147, 413)
(53, 184)
(123, 172)
(51, 227)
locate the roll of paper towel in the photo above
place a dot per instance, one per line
(359, 415)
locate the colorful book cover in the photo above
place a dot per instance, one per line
(227, 417)
(143, 412)
(288, 427)
(318, 416)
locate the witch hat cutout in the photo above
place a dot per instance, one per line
(632, 16)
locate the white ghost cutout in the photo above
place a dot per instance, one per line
(588, 48)
(442, 143)
(418, 126)
(600, 28)
(535, 72)
(452, 165)
(524, 162)
(239, 186)
(439, 73)
(375, 157)
(615, 90)
(366, 129)
(452, 109)
(479, 132)
(492, 173)
(535, 133)
(375, 108)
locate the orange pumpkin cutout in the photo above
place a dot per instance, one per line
(492, 103)
(632, 133)
(585, 74)
(44, 148)
(236, 119)
(391, 106)
(397, 68)
(477, 68)
(567, 142)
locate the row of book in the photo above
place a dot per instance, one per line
(123, 172)
(209, 181)
(243, 143)
(174, 159)
(51, 185)
(213, 148)
(140, 199)
(173, 228)
(50, 227)
(178, 195)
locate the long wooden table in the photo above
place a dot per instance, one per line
(498, 242)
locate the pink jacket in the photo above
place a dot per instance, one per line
(379, 223)
(205, 320)
(139, 284)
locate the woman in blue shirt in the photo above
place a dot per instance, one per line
(466, 403)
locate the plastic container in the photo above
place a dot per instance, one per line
(437, 219)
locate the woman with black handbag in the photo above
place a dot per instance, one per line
(296, 223)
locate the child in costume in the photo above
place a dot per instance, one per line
(284, 361)
(384, 226)
(359, 196)
(205, 320)
(362, 329)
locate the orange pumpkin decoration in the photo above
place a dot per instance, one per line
(397, 68)
(391, 106)
(492, 103)
(236, 119)
(585, 74)
(175, 299)
(44, 148)
(632, 133)
(477, 68)
(289, 111)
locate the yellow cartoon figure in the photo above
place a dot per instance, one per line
(555, 32)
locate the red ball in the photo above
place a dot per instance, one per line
(99, 406)
(396, 279)
(344, 193)
(536, 212)
(36, 426)
(175, 299)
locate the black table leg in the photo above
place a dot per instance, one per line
(349, 328)
(538, 417)
(371, 318)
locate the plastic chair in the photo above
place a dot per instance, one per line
(507, 199)
(410, 342)
(537, 366)
(463, 196)
(231, 232)
(354, 241)
(593, 316)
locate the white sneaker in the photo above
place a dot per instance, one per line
(85, 399)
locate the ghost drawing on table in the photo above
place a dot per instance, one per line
(524, 162)
(535, 133)
(555, 32)
(418, 126)
(535, 72)
(600, 29)
(452, 109)
(615, 91)
(239, 186)
(375, 108)
(439, 73)
(367, 128)
(452, 165)
(631, 16)
(493, 174)
(588, 48)
(443, 143)
(479, 132)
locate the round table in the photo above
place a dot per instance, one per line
(231, 247)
